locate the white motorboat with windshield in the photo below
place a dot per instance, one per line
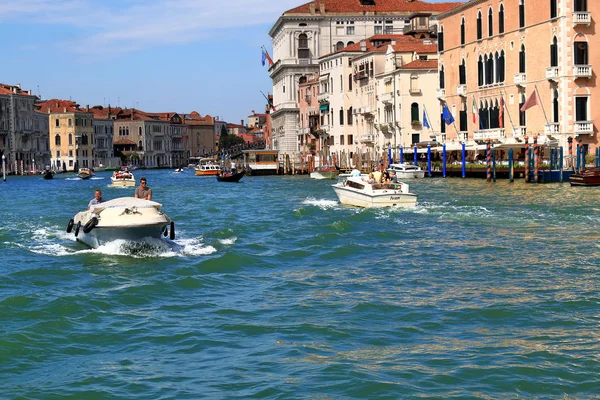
(407, 171)
(126, 218)
(122, 178)
(355, 191)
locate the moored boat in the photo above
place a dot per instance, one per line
(85, 173)
(355, 191)
(124, 218)
(122, 178)
(587, 177)
(407, 171)
(231, 177)
(325, 172)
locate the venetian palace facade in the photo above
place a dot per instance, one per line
(302, 35)
(495, 55)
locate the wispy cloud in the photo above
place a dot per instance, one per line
(122, 26)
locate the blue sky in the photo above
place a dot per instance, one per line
(155, 55)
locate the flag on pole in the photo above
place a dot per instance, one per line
(474, 110)
(264, 58)
(501, 113)
(447, 115)
(269, 101)
(425, 121)
(531, 101)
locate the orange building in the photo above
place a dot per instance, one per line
(497, 54)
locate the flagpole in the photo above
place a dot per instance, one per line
(542, 104)
(428, 119)
(508, 113)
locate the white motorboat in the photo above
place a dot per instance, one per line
(407, 171)
(325, 172)
(122, 178)
(124, 218)
(355, 191)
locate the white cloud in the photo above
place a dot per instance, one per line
(117, 26)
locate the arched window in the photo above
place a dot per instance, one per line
(479, 26)
(522, 117)
(70, 139)
(494, 115)
(490, 22)
(502, 66)
(441, 39)
(442, 80)
(480, 71)
(341, 116)
(140, 131)
(303, 51)
(462, 73)
(554, 53)
(521, 13)
(553, 9)
(462, 31)
(501, 19)
(339, 45)
(349, 43)
(497, 63)
(581, 53)
(522, 59)
(486, 77)
(140, 148)
(57, 140)
(414, 112)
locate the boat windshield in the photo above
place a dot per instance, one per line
(386, 186)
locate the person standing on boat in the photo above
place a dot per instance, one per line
(233, 168)
(96, 200)
(143, 191)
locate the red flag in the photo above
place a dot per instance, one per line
(269, 59)
(501, 113)
(531, 101)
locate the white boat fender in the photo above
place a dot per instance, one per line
(77, 228)
(91, 224)
(70, 225)
(172, 232)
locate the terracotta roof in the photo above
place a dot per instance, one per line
(418, 64)
(417, 45)
(381, 6)
(124, 141)
(380, 42)
(13, 89)
(59, 106)
(194, 118)
(101, 112)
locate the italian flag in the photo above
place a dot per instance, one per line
(474, 111)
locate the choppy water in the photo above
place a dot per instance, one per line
(272, 289)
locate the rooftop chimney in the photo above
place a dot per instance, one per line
(311, 8)
(322, 8)
(363, 45)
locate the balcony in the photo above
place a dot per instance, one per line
(308, 99)
(386, 98)
(520, 79)
(367, 138)
(582, 18)
(305, 131)
(582, 71)
(461, 90)
(552, 128)
(519, 131)
(361, 75)
(440, 93)
(552, 73)
(492, 134)
(584, 127)
(323, 96)
(415, 91)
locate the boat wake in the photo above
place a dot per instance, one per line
(321, 203)
(59, 243)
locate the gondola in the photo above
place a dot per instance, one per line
(231, 177)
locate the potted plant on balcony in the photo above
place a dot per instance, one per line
(415, 122)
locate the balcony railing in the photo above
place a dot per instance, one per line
(440, 93)
(493, 134)
(386, 98)
(323, 96)
(582, 17)
(520, 78)
(552, 73)
(582, 71)
(461, 90)
(584, 127)
(552, 128)
(519, 131)
(366, 138)
(415, 91)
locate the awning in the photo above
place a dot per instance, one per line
(324, 107)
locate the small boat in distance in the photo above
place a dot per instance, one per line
(179, 169)
(122, 178)
(48, 173)
(587, 177)
(85, 173)
(357, 192)
(407, 171)
(229, 177)
(124, 218)
(325, 172)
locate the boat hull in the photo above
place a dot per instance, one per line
(320, 175)
(211, 172)
(232, 178)
(391, 198)
(407, 171)
(586, 178)
(124, 218)
(122, 182)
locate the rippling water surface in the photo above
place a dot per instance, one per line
(272, 289)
